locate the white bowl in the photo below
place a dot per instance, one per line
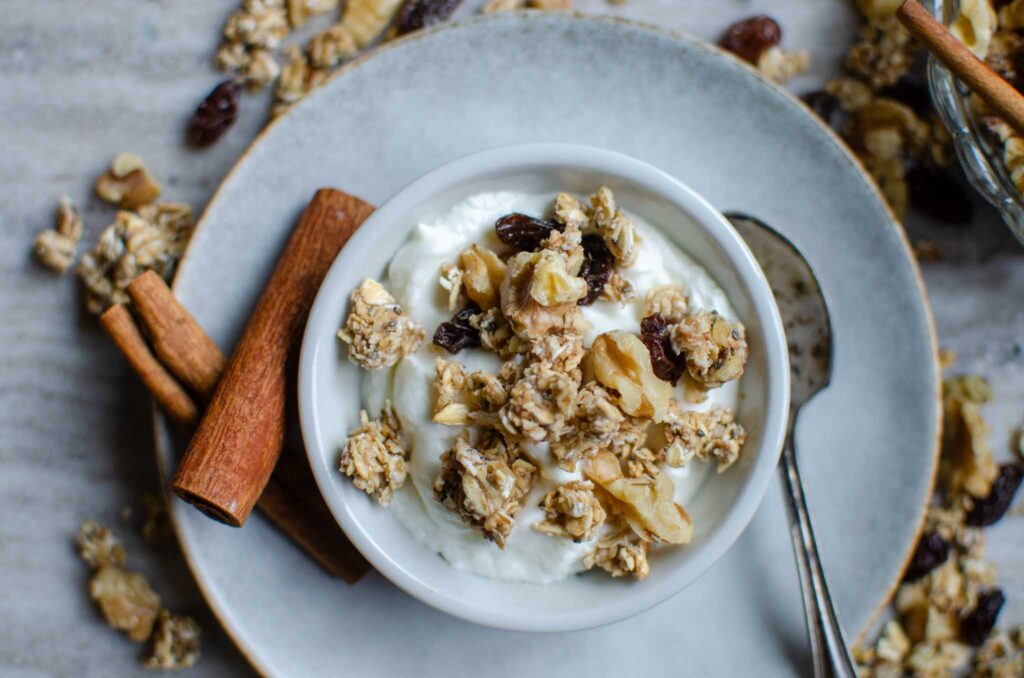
(329, 388)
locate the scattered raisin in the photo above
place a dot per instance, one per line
(931, 552)
(667, 365)
(935, 194)
(457, 334)
(417, 14)
(522, 232)
(990, 509)
(823, 105)
(215, 114)
(975, 627)
(598, 262)
(750, 38)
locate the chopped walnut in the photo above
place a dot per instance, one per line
(451, 282)
(127, 184)
(669, 301)
(330, 47)
(572, 511)
(55, 247)
(617, 230)
(98, 546)
(175, 642)
(620, 553)
(373, 456)
(377, 330)
(622, 362)
(881, 55)
(969, 467)
(570, 212)
(482, 275)
(715, 349)
(461, 395)
(710, 435)
(298, 78)
(484, 484)
(300, 10)
(781, 66)
(539, 295)
(126, 601)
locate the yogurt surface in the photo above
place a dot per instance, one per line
(412, 278)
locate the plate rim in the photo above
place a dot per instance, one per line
(161, 430)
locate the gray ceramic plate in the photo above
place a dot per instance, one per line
(868, 444)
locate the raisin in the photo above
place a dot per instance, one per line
(666, 363)
(935, 194)
(215, 114)
(522, 232)
(910, 94)
(975, 627)
(822, 104)
(417, 14)
(598, 263)
(931, 552)
(750, 38)
(456, 334)
(990, 509)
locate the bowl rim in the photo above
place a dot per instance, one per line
(532, 156)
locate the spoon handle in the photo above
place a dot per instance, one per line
(828, 646)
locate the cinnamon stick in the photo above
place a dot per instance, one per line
(120, 325)
(972, 71)
(239, 439)
(178, 340)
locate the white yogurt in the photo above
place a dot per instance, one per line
(413, 279)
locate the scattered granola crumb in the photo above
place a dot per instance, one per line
(373, 456)
(55, 247)
(126, 600)
(175, 642)
(377, 330)
(709, 435)
(620, 553)
(572, 511)
(98, 546)
(127, 184)
(781, 66)
(330, 47)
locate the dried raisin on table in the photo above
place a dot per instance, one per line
(524, 233)
(666, 364)
(932, 551)
(217, 112)
(417, 14)
(456, 334)
(990, 509)
(598, 263)
(979, 622)
(750, 38)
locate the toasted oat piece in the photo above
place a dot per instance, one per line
(175, 643)
(570, 212)
(710, 435)
(715, 349)
(55, 247)
(461, 395)
(484, 484)
(617, 230)
(620, 553)
(373, 456)
(127, 184)
(669, 301)
(126, 600)
(572, 511)
(377, 330)
(98, 546)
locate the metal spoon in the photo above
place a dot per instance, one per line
(809, 333)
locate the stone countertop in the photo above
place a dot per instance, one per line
(81, 82)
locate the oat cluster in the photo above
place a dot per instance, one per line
(373, 456)
(378, 332)
(711, 435)
(55, 247)
(573, 511)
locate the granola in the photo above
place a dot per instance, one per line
(596, 422)
(669, 301)
(298, 78)
(127, 184)
(540, 403)
(55, 247)
(373, 456)
(377, 330)
(572, 511)
(330, 47)
(781, 66)
(460, 396)
(126, 600)
(617, 230)
(484, 484)
(98, 546)
(175, 642)
(621, 553)
(712, 435)
(715, 349)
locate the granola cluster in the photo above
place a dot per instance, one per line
(712, 435)
(377, 330)
(130, 605)
(573, 511)
(373, 456)
(947, 607)
(55, 247)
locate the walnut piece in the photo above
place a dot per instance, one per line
(968, 466)
(367, 19)
(976, 24)
(484, 484)
(55, 247)
(669, 301)
(330, 47)
(175, 643)
(620, 553)
(781, 66)
(127, 184)
(98, 546)
(126, 600)
(715, 349)
(621, 362)
(482, 275)
(710, 435)
(617, 230)
(572, 511)
(597, 423)
(539, 295)
(298, 78)
(377, 330)
(373, 456)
